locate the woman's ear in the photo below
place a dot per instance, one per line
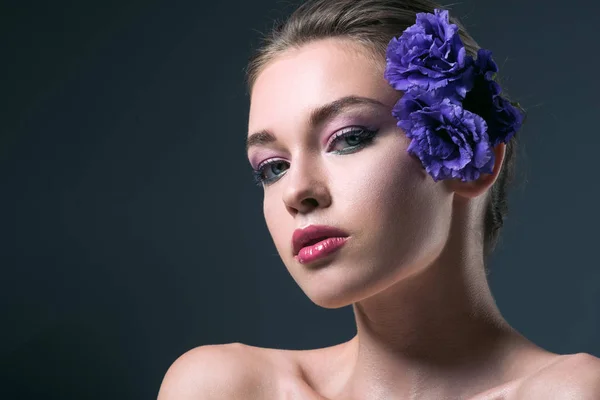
(479, 186)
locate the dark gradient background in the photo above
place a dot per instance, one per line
(131, 229)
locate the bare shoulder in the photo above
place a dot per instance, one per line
(227, 371)
(575, 376)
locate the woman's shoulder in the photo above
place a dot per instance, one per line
(240, 371)
(572, 376)
(209, 372)
(229, 371)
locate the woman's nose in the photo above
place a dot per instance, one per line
(305, 187)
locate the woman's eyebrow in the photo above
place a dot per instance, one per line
(318, 116)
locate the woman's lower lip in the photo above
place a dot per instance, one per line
(321, 249)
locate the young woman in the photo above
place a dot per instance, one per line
(384, 153)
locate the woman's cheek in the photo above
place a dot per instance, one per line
(385, 176)
(270, 211)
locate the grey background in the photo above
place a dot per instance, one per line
(131, 230)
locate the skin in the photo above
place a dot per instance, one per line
(413, 268)
(413, 265)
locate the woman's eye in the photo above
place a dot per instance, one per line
(270, 171)
(350, 140)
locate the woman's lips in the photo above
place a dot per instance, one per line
(316, 241)
(320, 250)
(309, 236)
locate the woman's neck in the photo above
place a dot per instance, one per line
(438, 330)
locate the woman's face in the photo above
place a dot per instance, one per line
(347, 168)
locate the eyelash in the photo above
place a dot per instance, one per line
(365, 136)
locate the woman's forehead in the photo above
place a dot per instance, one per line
(317, 73)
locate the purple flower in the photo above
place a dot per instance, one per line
(450, 142)
(503, 119)
(412, 101)
(429, 55)
(451, 109)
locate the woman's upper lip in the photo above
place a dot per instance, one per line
(303, 236)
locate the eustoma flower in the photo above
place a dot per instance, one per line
(503, 118)
(429, 55)
(451, 107)
(450, 141)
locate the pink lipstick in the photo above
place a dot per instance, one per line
(317, 241)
